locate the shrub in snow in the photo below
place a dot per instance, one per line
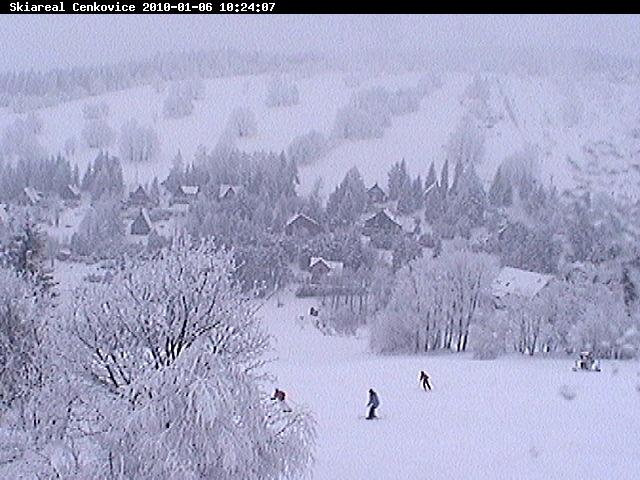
(281, 93)
(342, 321)
(138, 144)
(179, 102)
(567, 392)
(354, 123)
(242, 123)
(98, 134)
(404, 101)
(95, 111)
(377, 102)
(308, 148)
(19, 140)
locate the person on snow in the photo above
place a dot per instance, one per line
(424, 380)
(374, 402)
(279, 395)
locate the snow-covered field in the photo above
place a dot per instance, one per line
(583, 128)
(505, 419)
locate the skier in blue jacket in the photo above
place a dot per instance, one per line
(374, 402)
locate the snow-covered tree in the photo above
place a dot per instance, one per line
(101, 231)
(353, 123)
(178, 103)
(23, 325)
(19, 141)
(348, 201)
(97, 133)
(180, 350)
(466, 144)
(404, 101)
(433, 304)
(307, 148)
(242, 123)
(282, 93)
(138, 144)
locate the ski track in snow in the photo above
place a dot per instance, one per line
(501, 419)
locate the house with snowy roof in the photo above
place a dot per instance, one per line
(321, 268)
(139, 198)
(228, 192)
(141, 225)
(514, 284)
(184, 196)
(375, 194)
(382, 222)
(301, 224)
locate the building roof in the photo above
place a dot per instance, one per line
(224, 189)
(143, 216)
(375, 187)
(383, 213)
(298, 216)
(189, 189)
(519, 283)
(334, 267)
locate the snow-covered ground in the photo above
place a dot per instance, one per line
(505, 419)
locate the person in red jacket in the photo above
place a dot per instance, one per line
(279, 395)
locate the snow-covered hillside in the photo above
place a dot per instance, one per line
(515, 417)
(585, 130)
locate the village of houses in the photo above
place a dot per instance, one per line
(144, 216)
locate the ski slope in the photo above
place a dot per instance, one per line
(587, 130)
(502, 419)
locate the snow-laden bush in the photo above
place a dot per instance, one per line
(354, 123)
(282, 93)
(404, 101)
(138, 144)
(19, 140)
(95, 111)
(98, 134)
(179, 101)
(308, 148)
(242, 123)
(376, 101)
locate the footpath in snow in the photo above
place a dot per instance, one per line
(502, 419)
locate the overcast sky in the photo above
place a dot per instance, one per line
(41, 41)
